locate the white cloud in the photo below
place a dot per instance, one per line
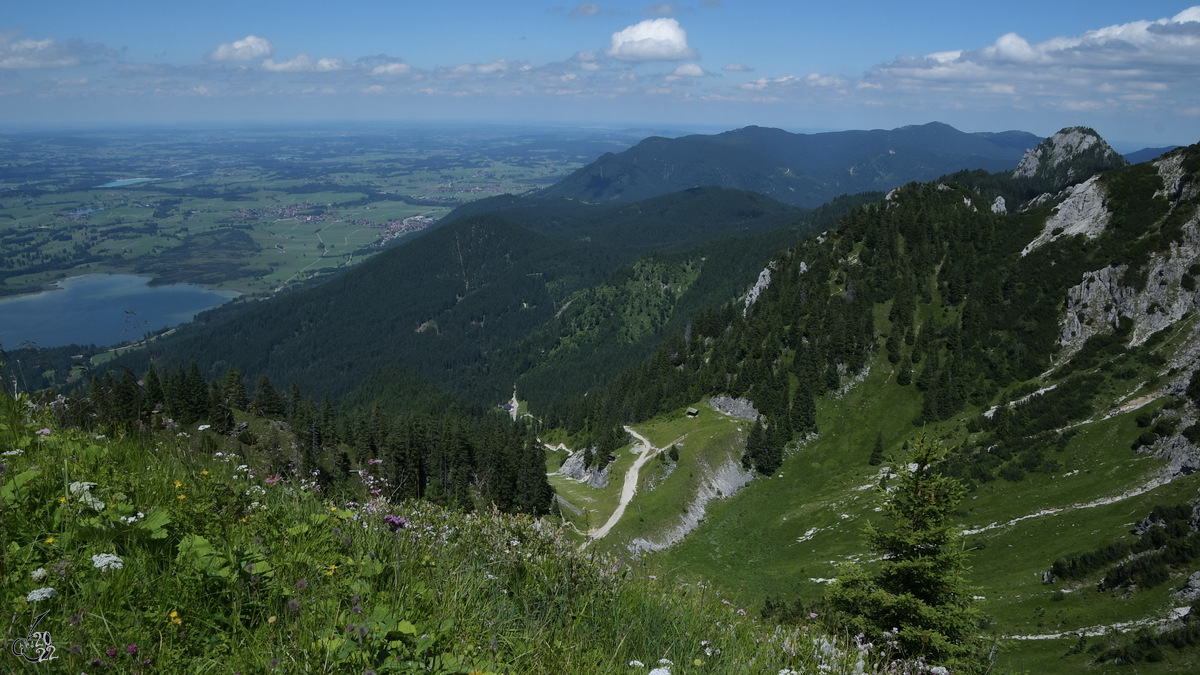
(500, 67)
(393, 68)
(819, 80)
(689, 70)
(662, 8)
(47, 53)
(1111, 59)
(303, 64)
(652, 40)
(585, 10)
(373, 89)
(737, 68)
(246, 49)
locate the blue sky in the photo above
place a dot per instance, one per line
(1131, 70)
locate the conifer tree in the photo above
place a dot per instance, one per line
(904, 375)
(877, 453)
(155, 397)
(267, 400)
(236, 395)
(919, 585)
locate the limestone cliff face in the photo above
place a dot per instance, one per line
(1068, 155)
(1098, 302)
(1083, 212)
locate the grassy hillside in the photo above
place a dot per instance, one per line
(1069, 407)
(175, 554)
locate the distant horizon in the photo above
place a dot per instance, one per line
(1123, 146)
(1131, 72)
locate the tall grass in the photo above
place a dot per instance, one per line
(168, 554)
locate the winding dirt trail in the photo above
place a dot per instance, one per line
(629, 489)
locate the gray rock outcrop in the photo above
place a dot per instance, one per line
(735, 407)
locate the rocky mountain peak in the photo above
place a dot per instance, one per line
(1069, 156)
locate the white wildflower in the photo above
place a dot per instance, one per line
(107, 561)
(661, 671)
(665, 662)
(637, 664)
(41, 594)
(202, 427)
(938, 670)
(38, 574)
(13, 453)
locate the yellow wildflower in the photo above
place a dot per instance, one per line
(183, 496)
(333, 508)
(204, 472)
(49, 540)
(332, 569)
(62, 500)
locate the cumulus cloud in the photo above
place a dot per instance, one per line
(394, 68)
(303, 64)
(47, 53)
(501, 67)
(246, 49)
(737, 68)
(585, 10)
(1110, 60)
(652, 40)
(689, 70)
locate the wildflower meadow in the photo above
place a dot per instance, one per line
(173, 553)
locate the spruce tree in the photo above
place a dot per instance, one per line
(267, 400)
(919, 584)
(236, 395)
(877, 453)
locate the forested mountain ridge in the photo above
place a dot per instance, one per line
(1053, 347)
(471, 304)
(802, 169)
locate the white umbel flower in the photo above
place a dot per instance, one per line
(107, 561)
(41, 594)
(38, 574)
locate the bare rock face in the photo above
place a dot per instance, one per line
(735, 407)
(1069, 154)
(1190, 592)
(720, 483)
(574, 468)
(1100, 300)
(1084, 211)
(999, 206)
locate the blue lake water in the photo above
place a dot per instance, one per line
(101, 309)
(127, 181)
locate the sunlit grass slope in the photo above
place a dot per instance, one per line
(168, 555)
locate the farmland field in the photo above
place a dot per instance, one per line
(253, 210)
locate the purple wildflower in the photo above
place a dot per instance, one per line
(395, 523)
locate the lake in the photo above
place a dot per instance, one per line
(127, 181)
(101, 309)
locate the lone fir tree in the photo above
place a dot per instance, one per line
(919, 586)
(877, 454)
